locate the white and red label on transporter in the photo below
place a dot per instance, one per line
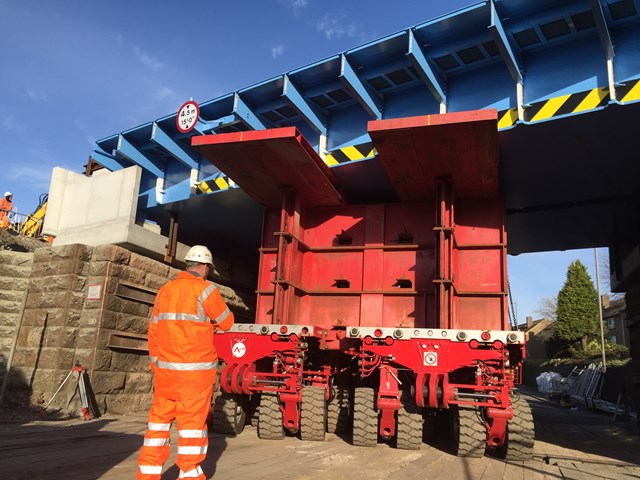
(430, 359)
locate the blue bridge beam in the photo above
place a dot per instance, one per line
(159, 137)
(364, 95)
(419, 61)
(126, 149)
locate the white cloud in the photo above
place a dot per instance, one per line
(294, 4)
(11, 125)
(334, 28)
(37, 96)
(277, 51)
(162, 92)
(147, 59)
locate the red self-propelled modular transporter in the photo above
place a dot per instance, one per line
(378, 319)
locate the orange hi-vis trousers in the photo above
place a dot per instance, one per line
(190, 415)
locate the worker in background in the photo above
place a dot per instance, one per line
(6, 205)
(184, 362)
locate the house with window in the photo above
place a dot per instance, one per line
(615, 320)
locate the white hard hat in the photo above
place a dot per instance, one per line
(7, 194)
(200, 254)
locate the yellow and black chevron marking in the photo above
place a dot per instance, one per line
(567, 104)
(629, 92)
(213, 185)
(350, 154)
(507, 118)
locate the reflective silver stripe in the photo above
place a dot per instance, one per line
(159, 427)
(201, 299)
(223, 315)
(153, 359)
(192, 450)
(195, 473)
(154, 319)
(192, 433)
(187, 366)
(180, 316)
(156, 442)
(150, 469)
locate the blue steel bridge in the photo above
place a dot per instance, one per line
(564, 76)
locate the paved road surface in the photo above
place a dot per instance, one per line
(569, 445)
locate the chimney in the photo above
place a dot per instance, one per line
(529, 323)
(605, 301)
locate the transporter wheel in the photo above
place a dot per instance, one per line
(228, 415)
(313, 414)
(409, 429)
(520, 432)
(365, 418)
(270, 425)
(469, 433)
(338, 411)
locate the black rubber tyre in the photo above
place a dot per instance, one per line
(270, 425)
(520, 432)
(365, 418)
(409, 428)
(313, 414)
(469, 433)
(338, 411)
(228, 415)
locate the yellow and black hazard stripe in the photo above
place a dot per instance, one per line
(350, 154)
(214, 185)
(507, 118)
(567, 104)
(629, 91)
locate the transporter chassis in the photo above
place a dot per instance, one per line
(383, 320)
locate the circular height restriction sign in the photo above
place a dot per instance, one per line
(187, 116)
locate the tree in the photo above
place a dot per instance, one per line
(577, 312)
(547, 307)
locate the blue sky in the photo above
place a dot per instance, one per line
(75, 71)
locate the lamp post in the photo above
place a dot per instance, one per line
(604, 359)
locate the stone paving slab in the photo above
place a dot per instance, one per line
(569, 445)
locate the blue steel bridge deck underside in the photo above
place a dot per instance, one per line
(564, 77)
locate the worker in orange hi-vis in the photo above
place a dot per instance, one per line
(6, 205)
(183, 358)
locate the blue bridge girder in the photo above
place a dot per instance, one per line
(564, 76)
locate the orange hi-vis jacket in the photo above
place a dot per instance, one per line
(5, 208)
(181, 349)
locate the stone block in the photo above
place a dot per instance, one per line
(52, 283)
(61, 267)
(15, 271)
(128, 274)
(130, 307)
(139, 383)
(108, 382)
(86, 338)
(38, 316)
(155, 281)
(84, 356)
(98, 269)
(111, 285)
(10, 307)
(66, 359)
(9, 319)
(133, 324)
(22, 259)
(111, 253)
(148, 265)
(127, 362)
(128, 404)
(14, 283)
(102, 360)
(68, 337)
(48, 300)
(89, 318)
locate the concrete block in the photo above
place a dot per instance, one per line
(108, 382)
